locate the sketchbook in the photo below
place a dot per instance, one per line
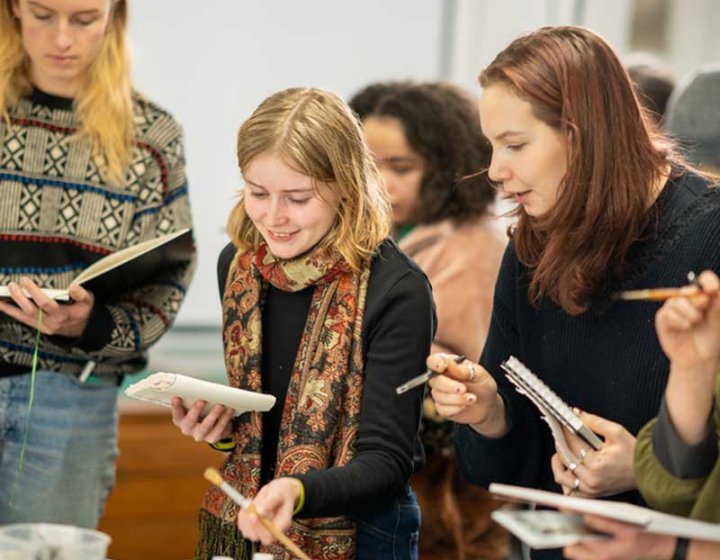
(650, 520)
(546, 528)
(161, 387)
(128, 268)
(553, 409)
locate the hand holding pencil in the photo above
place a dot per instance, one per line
(256, 525)
(688, 328)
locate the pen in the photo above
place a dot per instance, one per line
(422, 378)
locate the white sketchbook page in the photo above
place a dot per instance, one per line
(546, 528)
(107, 263)
(58, 295)
(161, 387)
(650, 520)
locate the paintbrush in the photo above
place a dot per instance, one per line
(216, 478)
(661, 294)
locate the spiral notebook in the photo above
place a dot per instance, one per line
(550, 405)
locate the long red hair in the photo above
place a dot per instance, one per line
(576, 84)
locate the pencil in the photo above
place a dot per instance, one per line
(661, 294)
(216, 478)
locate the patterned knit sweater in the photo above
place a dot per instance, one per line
(58, 216)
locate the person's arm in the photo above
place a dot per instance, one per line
(658, 482)
(498, 435)
(518, 455)
(679, 458)
(129, 324)
(628, 542)
(688, 333)
(397, 344)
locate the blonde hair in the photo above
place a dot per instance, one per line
(316, 133)
(104, 105)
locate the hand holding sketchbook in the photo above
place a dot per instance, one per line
(128, 268)
(553, 409)
(647, 519)
(160, 388)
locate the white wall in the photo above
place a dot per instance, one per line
(210, 62)
(482, 28)
(694, 34)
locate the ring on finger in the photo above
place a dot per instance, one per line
(572, 467)
(471, 372)
(583, 453)
(576, 484)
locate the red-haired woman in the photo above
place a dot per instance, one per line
(604, 205)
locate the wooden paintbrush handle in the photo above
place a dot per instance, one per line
(278, 534)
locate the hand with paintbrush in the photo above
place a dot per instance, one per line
(255, 522)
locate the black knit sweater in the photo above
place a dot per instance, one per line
(399, 325)
(606, 361)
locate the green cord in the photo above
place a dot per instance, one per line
(30, 403)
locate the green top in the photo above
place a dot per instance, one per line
(403, 231)
(696, 498)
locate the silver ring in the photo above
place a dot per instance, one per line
(576, 484)
(572, 467)
(583, 453)
(471, 372)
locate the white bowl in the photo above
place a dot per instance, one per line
(45, 541)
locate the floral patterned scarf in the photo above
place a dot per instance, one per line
(321, 412)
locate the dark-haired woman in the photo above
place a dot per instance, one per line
(604, 205)
(427, 141)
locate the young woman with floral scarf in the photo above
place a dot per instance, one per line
(323, 311)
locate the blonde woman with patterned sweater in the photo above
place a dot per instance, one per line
(87, 167)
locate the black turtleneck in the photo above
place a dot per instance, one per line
(40, 97)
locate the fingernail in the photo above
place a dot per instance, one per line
(471, 398)
(458, 389)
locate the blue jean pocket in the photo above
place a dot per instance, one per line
(391, 532)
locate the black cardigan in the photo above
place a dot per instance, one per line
(398, 328)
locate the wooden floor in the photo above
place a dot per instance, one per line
(152, 512)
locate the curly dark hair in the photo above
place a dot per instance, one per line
(441, 124)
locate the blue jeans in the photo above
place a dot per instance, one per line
(390, 533)
(69, 464)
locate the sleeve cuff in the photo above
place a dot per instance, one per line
(98, 330)
(225, 444)
(677, 457)
(301, 499)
